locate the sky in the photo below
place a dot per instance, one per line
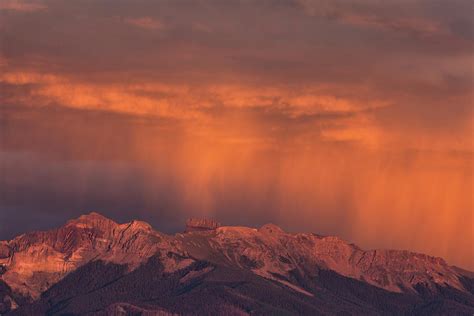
(349, 118)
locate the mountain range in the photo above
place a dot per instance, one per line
(95, 266)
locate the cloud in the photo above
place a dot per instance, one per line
(146, 23)
(417, 19)
(21, 6)
(332, 117)
(294, 64)
(420, 27)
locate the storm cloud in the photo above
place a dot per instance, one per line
(350, 118)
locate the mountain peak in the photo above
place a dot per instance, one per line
(91, 220)
(140, 225)
(93, 216)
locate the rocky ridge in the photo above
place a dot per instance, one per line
(33, 262)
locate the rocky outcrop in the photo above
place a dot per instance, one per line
(201, 224)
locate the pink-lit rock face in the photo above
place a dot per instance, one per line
(275, 254)
(35, 261)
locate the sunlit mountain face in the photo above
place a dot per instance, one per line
(346, 118)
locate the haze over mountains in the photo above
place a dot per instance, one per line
(93, 265)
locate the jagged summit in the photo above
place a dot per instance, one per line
(57, 252)
(92, 219)
(33, 262)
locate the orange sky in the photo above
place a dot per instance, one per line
(351, 118)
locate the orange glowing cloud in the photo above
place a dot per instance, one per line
(21, 6)
(146, 23)
(198, 103)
